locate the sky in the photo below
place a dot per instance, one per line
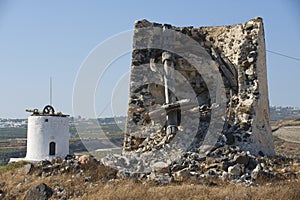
(43, 39)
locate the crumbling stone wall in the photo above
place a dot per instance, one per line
(235, 53)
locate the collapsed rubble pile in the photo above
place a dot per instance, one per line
(226, 163)
(75, 176)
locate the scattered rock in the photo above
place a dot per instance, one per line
(160, 179)
(160, 167)
(225, 176)
(19, 185)
(241, 159)
(60, 192)
(252, 163)
(213, 165)
(85, 159)
(256, 172)
(182, 175)
(27, 168)
(235, 170)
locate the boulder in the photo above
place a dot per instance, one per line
(84, 159)
(182, 175)
(39, 192)
(26, 169)
(241, 159)
(235, 170)
(160, 167)
(160, 179)
(256, 172)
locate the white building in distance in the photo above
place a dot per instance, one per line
(47, 135)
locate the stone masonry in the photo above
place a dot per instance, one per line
(197, 89)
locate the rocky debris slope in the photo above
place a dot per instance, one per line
(57, 176)
(76, 176)
(227, 163)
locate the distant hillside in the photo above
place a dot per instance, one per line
(276, 113)
(283, 113)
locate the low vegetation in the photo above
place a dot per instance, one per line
(11, 166)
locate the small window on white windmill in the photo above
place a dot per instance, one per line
(46, 120)
(52, 148)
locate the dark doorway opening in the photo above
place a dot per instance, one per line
(52, 148)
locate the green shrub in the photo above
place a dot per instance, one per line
(12, 166)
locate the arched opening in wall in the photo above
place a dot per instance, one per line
(52, 148)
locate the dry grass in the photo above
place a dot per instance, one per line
(98, 187)
(132, 190)
(17, 182)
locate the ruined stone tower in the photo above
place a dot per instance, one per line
(197, 89)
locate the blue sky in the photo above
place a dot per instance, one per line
(39, 39)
